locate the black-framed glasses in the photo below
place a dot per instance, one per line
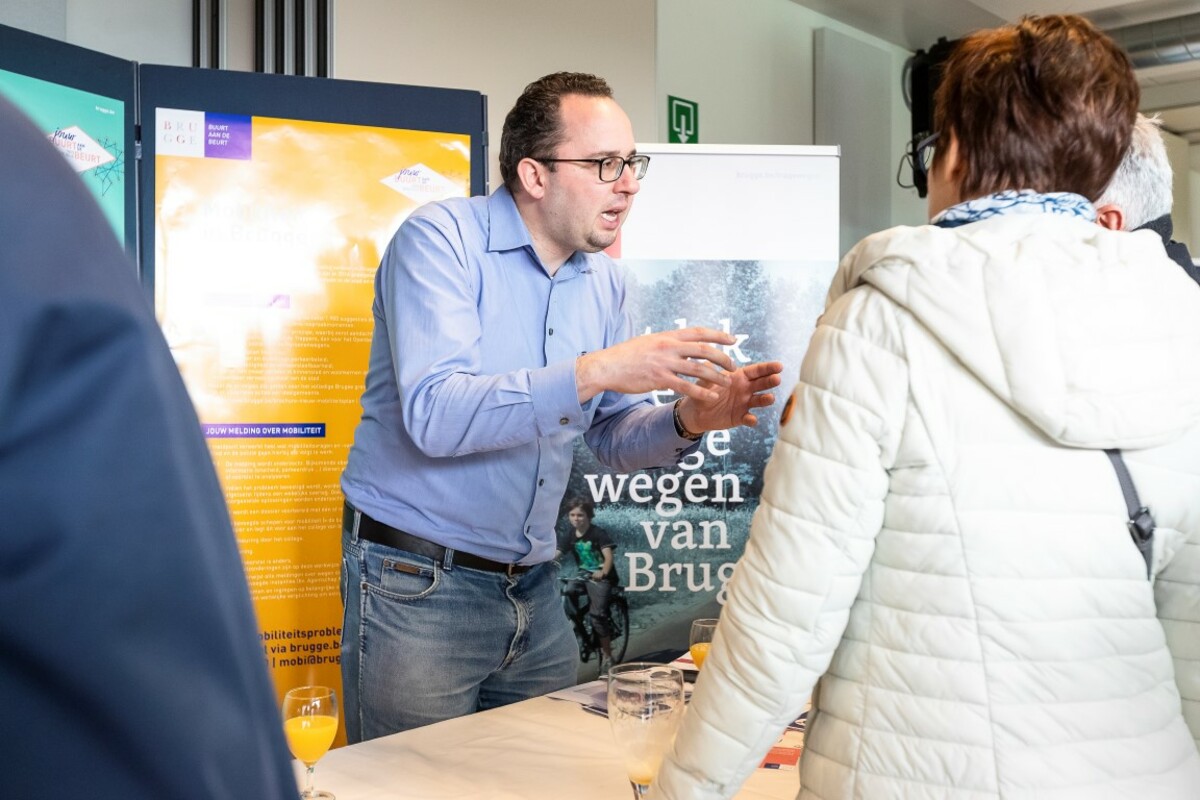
(919, 157)
(610, 168)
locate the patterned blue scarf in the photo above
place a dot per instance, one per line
(1026, 201)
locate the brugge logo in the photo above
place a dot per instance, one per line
(179, 133)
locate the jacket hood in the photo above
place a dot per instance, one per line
(1090, 334)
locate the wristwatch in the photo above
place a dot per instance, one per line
(679, 429)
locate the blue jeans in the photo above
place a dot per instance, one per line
(422, 642)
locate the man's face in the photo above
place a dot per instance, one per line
(581, 212)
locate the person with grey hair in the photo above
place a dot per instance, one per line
(1139, 196)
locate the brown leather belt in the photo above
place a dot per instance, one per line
(375, 531)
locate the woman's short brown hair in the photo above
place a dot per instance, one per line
(1046, 104)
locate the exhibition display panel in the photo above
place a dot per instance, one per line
(83, 101)
(269, 201)
(740, 238)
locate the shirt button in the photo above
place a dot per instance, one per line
(541, 481)
(563, 421)
(552, 331)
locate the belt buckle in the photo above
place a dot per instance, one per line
(510, 570)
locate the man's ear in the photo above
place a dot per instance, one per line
(1110, 216)
(532, 177)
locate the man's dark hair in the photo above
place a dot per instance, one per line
(534, 126)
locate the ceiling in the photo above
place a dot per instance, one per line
(1171, 91)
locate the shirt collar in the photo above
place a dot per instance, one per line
(507, 231)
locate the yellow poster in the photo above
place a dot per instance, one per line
(268, 233)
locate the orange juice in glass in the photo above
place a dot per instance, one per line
(310, 722)
(700, 640)
(310, 737)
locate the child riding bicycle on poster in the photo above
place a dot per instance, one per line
(596, 573)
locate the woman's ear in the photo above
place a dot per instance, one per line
(945, 177)
(949, 156)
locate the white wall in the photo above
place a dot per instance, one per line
(749, 64)
(157, 32)
(499, 47)
(1193, 183)
(43, 17)
(1181, 210)
(149, 31)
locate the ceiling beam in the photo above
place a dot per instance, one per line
(1170, 95)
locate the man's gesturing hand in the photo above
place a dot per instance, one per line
(747, 389)
(658, 361)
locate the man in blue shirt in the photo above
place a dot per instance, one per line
(501, 335)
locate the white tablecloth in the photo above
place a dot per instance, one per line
(539, 749)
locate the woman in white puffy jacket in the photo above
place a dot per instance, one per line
(941, 556)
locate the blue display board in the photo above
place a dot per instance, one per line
(84, 103)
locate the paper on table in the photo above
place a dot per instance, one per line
(685, 663)
(785, 755)
(688, 667)
(592, 695)
(782, 756)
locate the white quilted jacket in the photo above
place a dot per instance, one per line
(942, 542)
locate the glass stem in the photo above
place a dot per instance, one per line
(308, 781)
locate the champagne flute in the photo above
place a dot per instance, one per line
(700, 639)
(645, 703)
(310, 720)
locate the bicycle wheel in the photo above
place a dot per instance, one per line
(618, 622)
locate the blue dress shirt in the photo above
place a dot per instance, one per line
(470, 408)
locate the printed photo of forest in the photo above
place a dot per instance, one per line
(678, 532)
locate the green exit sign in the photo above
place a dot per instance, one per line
(683, 121)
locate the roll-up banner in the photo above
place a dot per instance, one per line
(273, 198)
(742, 239)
